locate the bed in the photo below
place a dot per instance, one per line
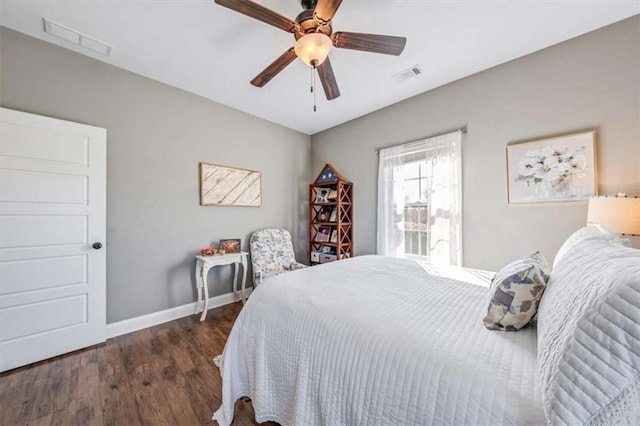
(378, 341)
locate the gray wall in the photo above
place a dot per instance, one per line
(590, 82)
(157, 135)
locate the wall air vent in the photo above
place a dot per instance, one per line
(405, 75)
(75, 37)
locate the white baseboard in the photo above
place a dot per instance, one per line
(149, 320)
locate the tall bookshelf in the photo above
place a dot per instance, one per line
(330, 217)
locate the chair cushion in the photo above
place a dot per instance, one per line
(515, 293)
(589, 335)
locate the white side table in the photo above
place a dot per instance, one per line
(205, 263)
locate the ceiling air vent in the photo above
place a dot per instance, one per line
(405, 75)
(75, 37)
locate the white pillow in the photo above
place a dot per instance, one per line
(591, 231)
(589, 336)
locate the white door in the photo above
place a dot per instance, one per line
(52, 237)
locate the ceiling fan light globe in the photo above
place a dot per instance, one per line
(313, 49)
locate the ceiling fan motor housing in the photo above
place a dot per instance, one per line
(308, 4)
(308, 25)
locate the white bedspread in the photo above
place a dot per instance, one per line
(377, 341)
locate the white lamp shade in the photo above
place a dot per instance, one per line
(313, 48)
(618, 214)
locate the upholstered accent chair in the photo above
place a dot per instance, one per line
(272, 254)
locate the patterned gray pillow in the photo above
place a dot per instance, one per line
(515, 293)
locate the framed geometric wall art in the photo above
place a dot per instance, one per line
(229, 186)
(561, 168)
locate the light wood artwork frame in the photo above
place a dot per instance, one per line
(229, 186)
(559, 168)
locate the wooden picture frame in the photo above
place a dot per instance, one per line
(324, 233)
(334, 215)
(233, 245)
(229, 186)
(559, 168)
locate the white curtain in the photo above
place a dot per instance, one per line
(440, 159)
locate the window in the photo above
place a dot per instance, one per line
(415, 229)
(419, 200)
(416, 212)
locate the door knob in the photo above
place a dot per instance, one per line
(97, 246)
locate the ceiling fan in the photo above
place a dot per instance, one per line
(314, 38)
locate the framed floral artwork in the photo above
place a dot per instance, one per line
(561, 168)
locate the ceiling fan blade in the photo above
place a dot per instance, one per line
(389, 45)
(259, 12)
(328, 80)
(276, 66)
(325, 9)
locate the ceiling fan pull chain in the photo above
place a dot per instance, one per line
(313, 85)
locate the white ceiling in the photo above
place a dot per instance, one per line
(211, 51)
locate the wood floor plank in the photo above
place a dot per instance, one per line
(161, 375)
(88, 396)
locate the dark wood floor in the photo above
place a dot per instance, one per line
(162, 376)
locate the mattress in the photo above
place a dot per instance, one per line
(378, 341)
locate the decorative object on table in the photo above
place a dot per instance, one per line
(561, 168)
(332, 235)
(229, 186)
(230, 245)
(272, 254)
(205, 263)
(515, 293)
(619, 214)
(208, 251)
(222, 252)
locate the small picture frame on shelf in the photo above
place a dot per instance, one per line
(334, 236)
(323, 234)
(230, 246)
(322, 196)
(332, 195)
(324, 214)
(333, 217)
